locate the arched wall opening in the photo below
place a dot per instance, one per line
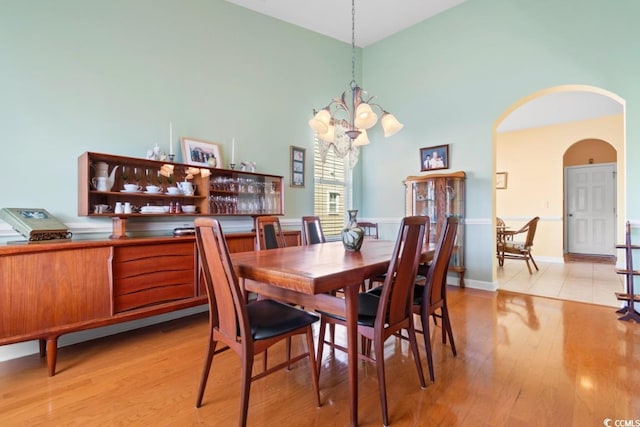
(533, 159)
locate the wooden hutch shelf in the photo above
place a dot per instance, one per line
(219, 192)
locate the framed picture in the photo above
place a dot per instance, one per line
(436, 157)
(501, 180)
(201, 153)
(297, 166)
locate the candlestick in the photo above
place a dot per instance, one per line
(233, 150)
(170, 139)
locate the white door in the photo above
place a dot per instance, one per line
(590, 196)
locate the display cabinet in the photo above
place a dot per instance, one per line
(439, 196)
(123, 187)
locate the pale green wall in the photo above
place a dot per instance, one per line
(109, 76)
(450, 78)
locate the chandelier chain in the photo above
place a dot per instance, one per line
(343, 123)
(353, 41)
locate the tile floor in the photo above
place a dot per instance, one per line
(575, 281)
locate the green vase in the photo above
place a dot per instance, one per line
(352, 235)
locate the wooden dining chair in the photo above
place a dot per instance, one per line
(312, 230)
(380, 317)
(430, 300)
(269, 233)
(434, 284)
(247, 329)
(510, 248)
(376, 281)
(370, 229)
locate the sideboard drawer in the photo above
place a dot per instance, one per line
(144, 275)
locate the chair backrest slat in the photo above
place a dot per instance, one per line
(226, 303)
(437, 275)
(531, 231)
(397, 291)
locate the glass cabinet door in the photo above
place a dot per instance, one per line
(439, 196)
(237, 193)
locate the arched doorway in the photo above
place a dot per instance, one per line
(532, 157)
(590, 200)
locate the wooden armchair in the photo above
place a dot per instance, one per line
(509, 247)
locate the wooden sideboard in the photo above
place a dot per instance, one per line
(51, 289)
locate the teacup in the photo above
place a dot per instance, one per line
(153, 189)
(102, 209)
(100, 183)
(131, 187)
(173, 190)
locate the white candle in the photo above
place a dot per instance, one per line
(170, 139)
(233, 150)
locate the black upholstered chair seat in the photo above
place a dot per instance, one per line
(418, 290)
(270, 318)
(367, 308)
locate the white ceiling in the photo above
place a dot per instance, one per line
(377, 19)
(560, 107)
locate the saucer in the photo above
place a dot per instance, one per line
(129, 191)
(153, 192)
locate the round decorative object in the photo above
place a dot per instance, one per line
(352, 235)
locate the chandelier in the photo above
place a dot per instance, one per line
(344, 122)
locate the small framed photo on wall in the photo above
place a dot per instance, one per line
(436, 157)
(501, 180)
(297, 166)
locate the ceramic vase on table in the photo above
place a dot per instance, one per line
(352, 235)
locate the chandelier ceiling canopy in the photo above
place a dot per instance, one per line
(353, 113)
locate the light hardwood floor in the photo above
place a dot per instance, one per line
(522, 360)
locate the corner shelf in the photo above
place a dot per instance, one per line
(629, 311)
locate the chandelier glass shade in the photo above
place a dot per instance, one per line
(351, 114)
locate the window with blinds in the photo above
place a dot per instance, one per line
(331, 188)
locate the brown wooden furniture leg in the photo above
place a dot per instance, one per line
(43, 347)
(52, 353)
(118, 228)
(351, 305)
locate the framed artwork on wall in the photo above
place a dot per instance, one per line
(297, 166)
(198, 152)
(436, 157)
(501, 180)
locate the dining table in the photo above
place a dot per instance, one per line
(309, 276)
